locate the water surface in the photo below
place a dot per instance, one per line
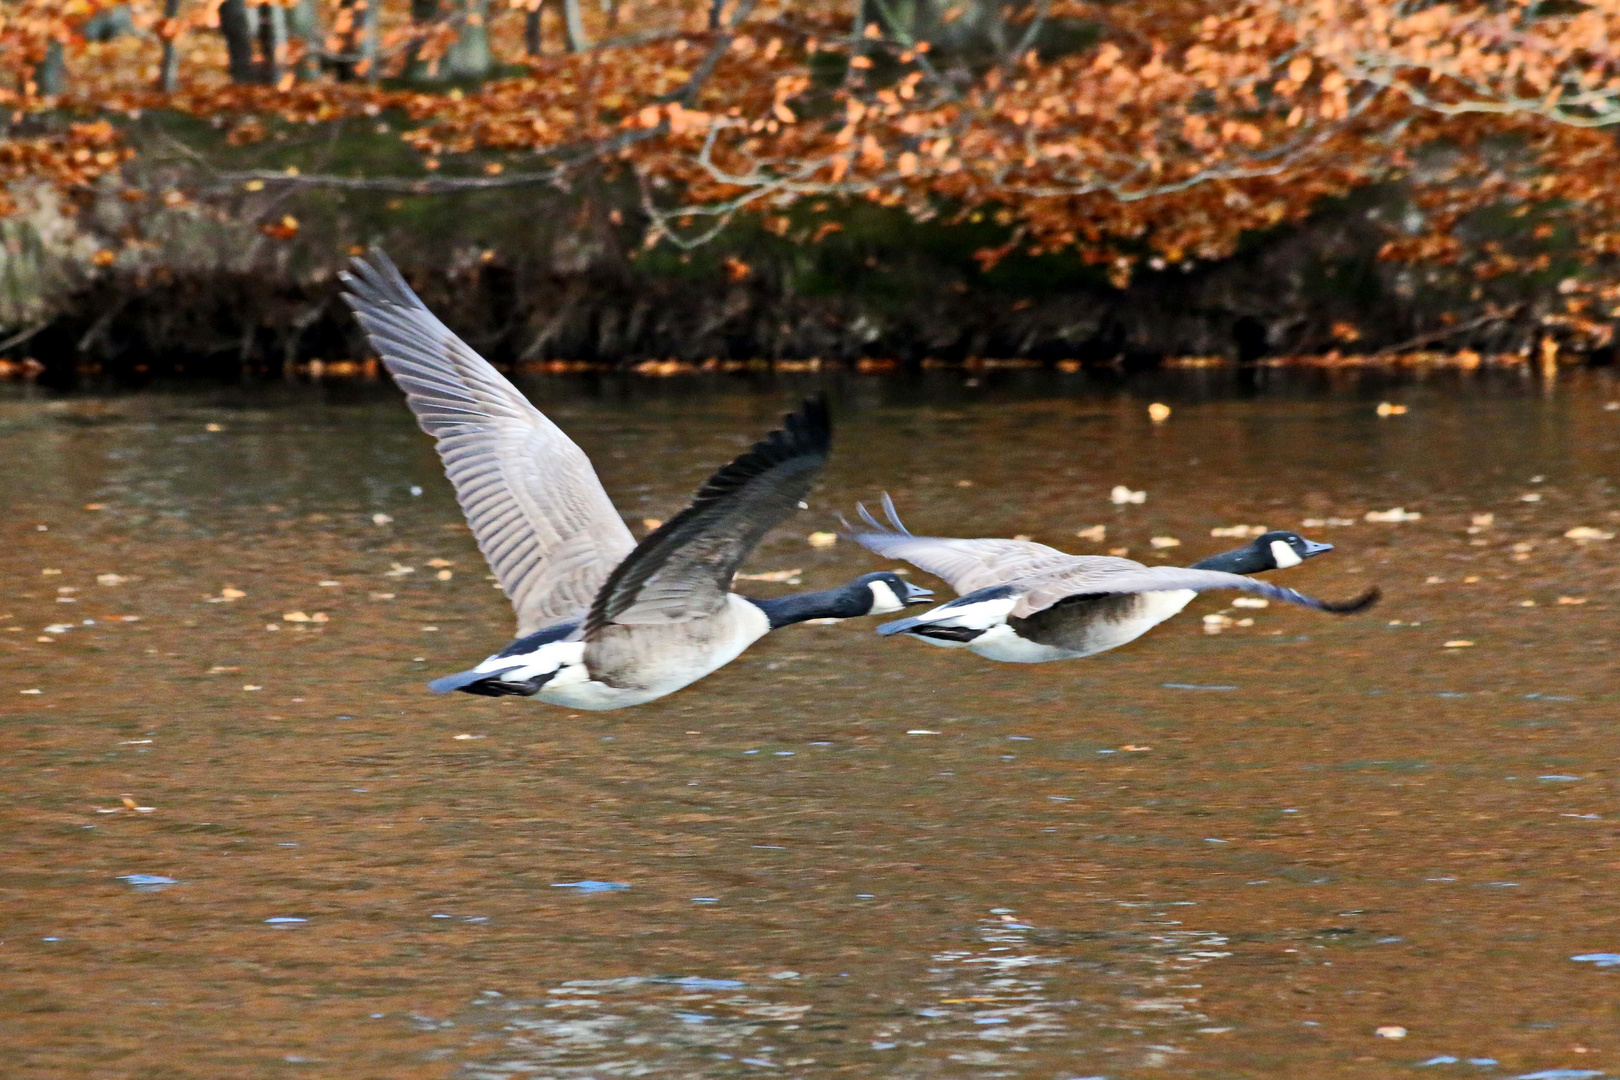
(243, 846)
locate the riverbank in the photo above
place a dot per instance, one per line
(159, 274)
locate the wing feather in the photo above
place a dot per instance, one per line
(683, 569)
(966, 565)
(528, 492)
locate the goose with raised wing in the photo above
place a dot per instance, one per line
(1025, 603)
(603, 622)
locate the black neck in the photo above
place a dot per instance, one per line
(1243, 560)
(840, 603)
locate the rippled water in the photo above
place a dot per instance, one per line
(239, 845)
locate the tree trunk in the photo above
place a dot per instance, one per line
(469, 57)
(304, 23)
(574, 22)
(272, 42)
(359, 41)
(533, 43)
(417, 69)
(169, 66)
(236, 24)
(50, 74)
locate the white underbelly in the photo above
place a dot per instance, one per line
(668, 662)
(1001, 643)
(1154, 608)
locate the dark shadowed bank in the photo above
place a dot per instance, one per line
(240, 280)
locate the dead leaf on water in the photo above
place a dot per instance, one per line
(1094, 533)
(822, 539)
(1161, 542)
(1387, 409)
(1458, 644)
(1158, 412)
(110, 579)
(650, 523)
(1572, 599)
(790, 577)
(1399, 513)
(1123, 496)
(381, 519)
(1584, 533)
(439, 563)
(1240, 532)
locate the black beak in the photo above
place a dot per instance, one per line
(916, 594)
(1313, 548)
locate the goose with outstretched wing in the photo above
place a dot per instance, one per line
(602, 621)
(1026, 603)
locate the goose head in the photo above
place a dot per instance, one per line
(886, 592)
(1280, 549)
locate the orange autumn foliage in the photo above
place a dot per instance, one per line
(1157, 131)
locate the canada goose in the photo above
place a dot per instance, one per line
(603, 622)
(1026, 603)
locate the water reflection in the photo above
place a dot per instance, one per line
(243, 840)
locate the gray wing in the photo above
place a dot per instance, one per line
(965, 565)
(683, 569)
(1100, 576)
(536, 508)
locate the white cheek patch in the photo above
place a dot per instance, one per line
(1284, 556)
(884, 599)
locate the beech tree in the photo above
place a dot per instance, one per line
(1150, 133)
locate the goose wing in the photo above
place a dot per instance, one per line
(535, 505)
(1101, 576)
(966, 565)
(683, 569)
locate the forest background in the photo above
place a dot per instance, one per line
(879, 182)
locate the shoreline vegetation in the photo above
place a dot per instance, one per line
(669, 186)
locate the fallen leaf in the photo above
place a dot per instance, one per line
(445, 575)
(1534, 496)
(219, 669)
(1387, 409)
(295, 616)
(250, 686)
(1399, 513)
(438, 563)
(921, 731)
(399, 570)
(110, 579)
(1459, 644)
(822, 539)
(380, 519)
(1130, 748)
(214, 427)
(382, 596)
(1158, 413)
(791, 577)
(463, 737)
(95, 506)
(1391, 1031)
(30, 691)
(1122, 495)
(1586, 532)
(228, 593)
(1240, 532)
(650, 523)
(1094, 533)
(1572, 599)
(1251, 602)
(1161, 542)
(964, 483)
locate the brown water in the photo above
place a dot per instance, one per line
(1203, 855)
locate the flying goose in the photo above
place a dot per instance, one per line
(1026, 603)
(603, 622)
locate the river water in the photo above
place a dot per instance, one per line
(1291, 845)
